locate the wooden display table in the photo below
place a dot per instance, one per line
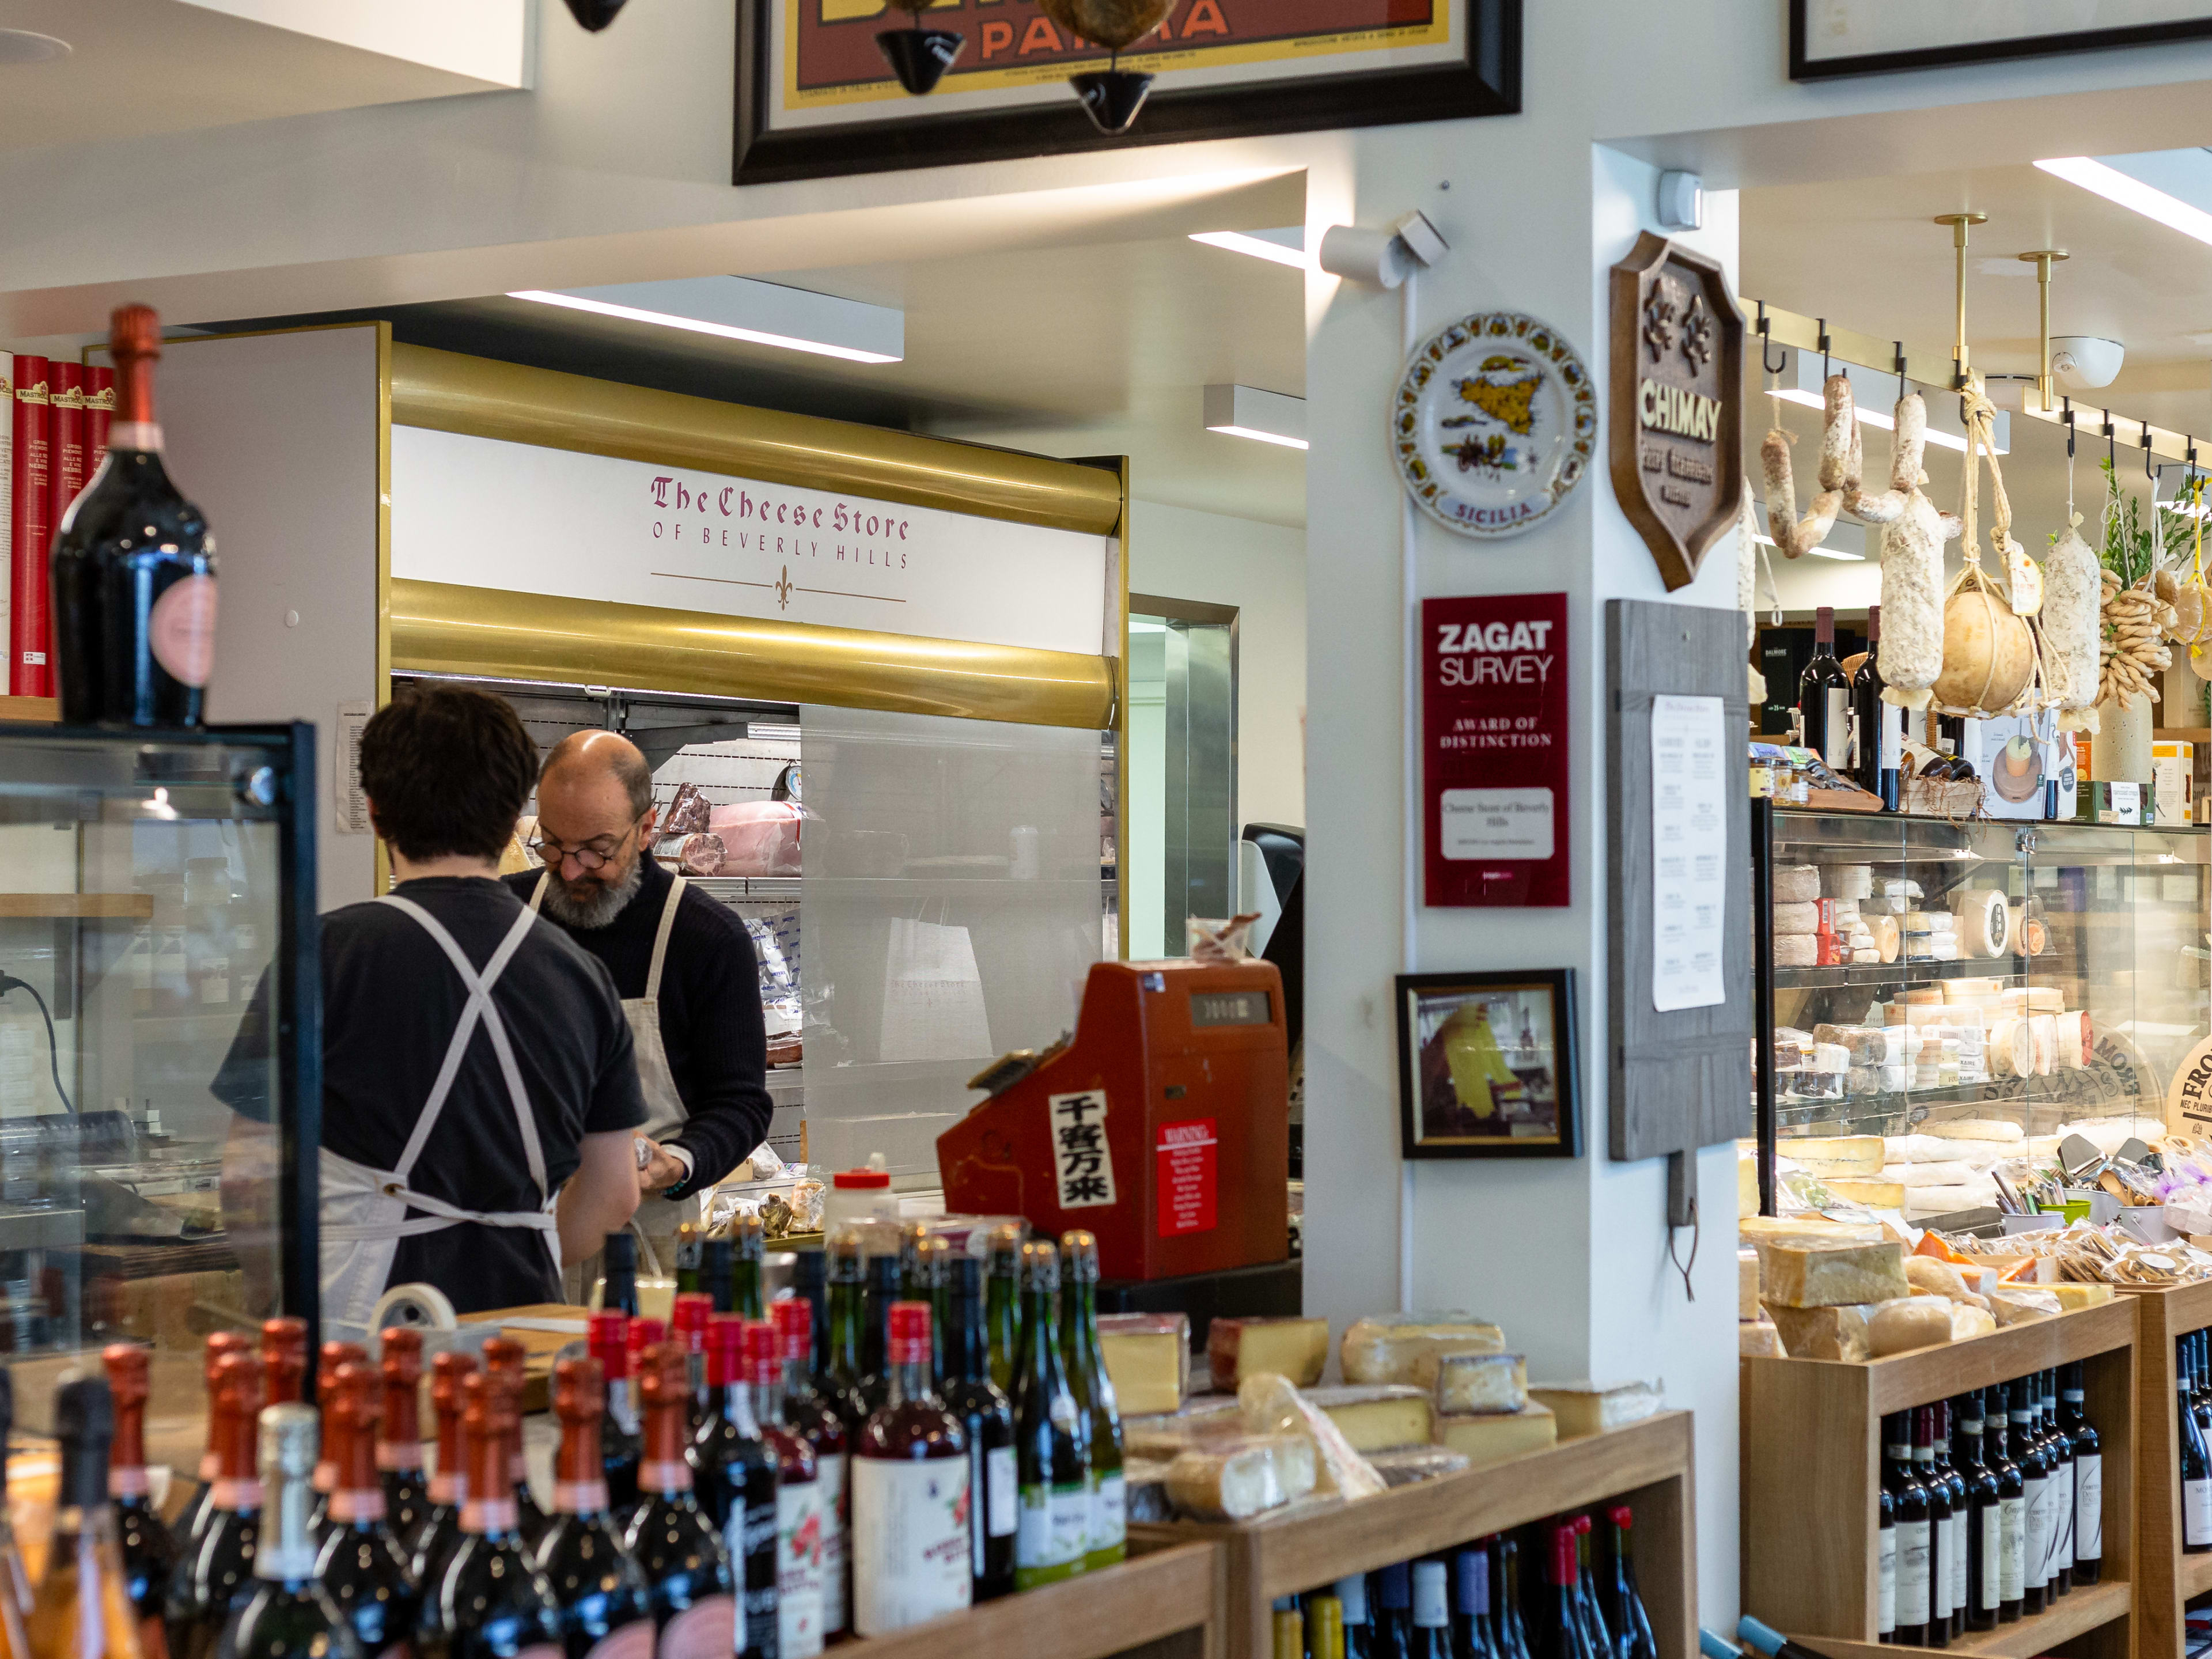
(1646, 1465)
(1164, 1588)
(1811, 1451)
(2166, 1579)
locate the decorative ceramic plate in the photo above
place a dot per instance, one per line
(1495, 422)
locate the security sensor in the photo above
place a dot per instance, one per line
(2083, 362)
(1384, 257)
(1681, 202)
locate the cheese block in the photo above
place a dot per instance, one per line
(1233, 1480)
(1460, 1383)
(1922, 1201)
(1761, 1229)
(1968, 990)
(1796, 918)
(1974, 1128)
(1967, 1321)
(1586, 1408)
(1147, 1359)
(1876, 1192)
(1850, 881)
(1796, 884)
(1272, 1404)
(1796, 949)
(1985, 926)
(1836, 1154)
(2011, 1047)
(1376, 1417)
(1388, 1347)
(1206, 1417)
(2074, 1298)
(1492, 1435)
(2013, 1305)
(2032, 999)
(1759, 1339)
(1238, 1348)
(1911, 1322)
(1889, 937)
(1746, 1177)
(2070, 1031)
(1796, 1275)
(2043, 1035)
(1746, 1284)
(1403, 1465)
(1832, 1332)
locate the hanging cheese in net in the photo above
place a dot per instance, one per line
(1988, 650)
(1911, 570)
(2072, 591)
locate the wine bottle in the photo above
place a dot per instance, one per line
(885, 1279)
(1094, 1400)
(149, 1552)
(212, 1574)
(718, 1273)
(987, 1417)
(2035, 1478)
(507, 1357)
(1287, 1638)
(334, 1354)
(284, 1360)
(2200, 1364)
(1940, 1522)
(1505, 1581)
(798, 1525)
(692, 1584)
(929, 1278)
(1559, 1631)
(1910, 1498)
(1471, 1605)
(1390, 1593)
(449, 1484)
(910, 1496)
(1352, 1598)
(2088, 1475)
(1985, 1525)
(488, 1600)
(2058, 1453)
(362, 1565)
(809, 1415)
(399, 1437)
(749, 1246)
(1432, 1636)
(618, 1272)
(2195, 1464)
(598, 1594)
(1002, 1303)
(620, 1444)
(810, 1283)
(1961, 1517)
(2012, 1507)
(81, 1610)
(688, 1242)
(1594, 1630)
(288, 1613)
(1885, 1606)
(1053, 1533)
(1877, 728)
(1824, 696)
(133, 568)
(192, 1520)
(687, 1319)
(733, 1477)
(15, 1592)
(1324, 1621)
(1633, 1635)
(845, 1371)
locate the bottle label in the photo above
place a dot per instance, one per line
(1110, 1522)
(1838, 747)
(798, 1561)
(1961, 1524)
(2062, 1518)
(2035, 1547)
(909, 1541)
(1939, 1569)
(1430, 1609)
(2089, 1507)
(1001, 1489)
(1050, 1540)
(2197, 1511)
(829, 1477)
(1893, 736)
(705, 1630)
(1992, 1556)
(181, 630)
(633, 1641)
(1912, 1599)
(2013, 1534)
(1885, 1606)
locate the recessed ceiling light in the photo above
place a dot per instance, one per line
(1267, 418)
(24, 46)
(739, 308)
(1286, 247)
(2132, 193)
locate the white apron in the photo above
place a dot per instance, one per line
(364, 1210)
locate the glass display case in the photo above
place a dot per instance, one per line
(1915, 973)
(150, 881)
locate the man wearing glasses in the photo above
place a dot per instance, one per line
(682, 963)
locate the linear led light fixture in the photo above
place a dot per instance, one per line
(1245, 412)
(739, 308)
(1821, 552)
(1871, 394)
(2131, 193)
(1285, 246)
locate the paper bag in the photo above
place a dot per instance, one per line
(932, 995)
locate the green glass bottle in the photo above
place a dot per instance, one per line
(1052, 1535)
(688, 1237)
(845, 1371)
(718, 1272)
(748, 1300)
(925, 1275)
(1002, 1304)
(883, 1282)
(1094, 1397)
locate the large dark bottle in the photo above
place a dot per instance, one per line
(749, 1266)
(886, 1282)
(688, 1239)
(79, 1611)
(449, 1486)
(1909, 1501)
(797, 1532)
(362, 1567)
(1885, 1604)
(211, 1574)
(1432, 1635)
(2012, 1507)
(192, 1520)
(1094, 1398)
(687, 1318)
(1962, 1516)
(620, 1444)
(1877, 728)
(1557, 1631)
(1985, 1518)
(133, 566)
(1390, 1593)
(1002, 1308)
(718, 1274)
(2058, 1453)
(807, 1415)
(488, 1600)
(1940, 1523)
(1471, 1605)
(1623, 1601)
(810, 1283)
(1594, 1629)
(2089, 1476)
(2035, 1478)
(1512, 1630)
(618, 1270)
(288, 1613)
(149, 1552)
(334, 1355)
(1053, 1535)
(691, 1583)
(1359, 1630)
(910, 1496)
(845, 1370)
(598, 1591)
(733, 1479)
(2200, 1384)
(1824, 696)
(400, 1436)
(507, 1357)
(987, 1418)
(2195, 1462)
(925, 1275)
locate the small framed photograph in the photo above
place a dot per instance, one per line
(1486, 1065)
(1829, 38)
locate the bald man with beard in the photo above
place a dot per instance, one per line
(683, 964)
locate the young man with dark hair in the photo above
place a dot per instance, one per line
(479, 1091)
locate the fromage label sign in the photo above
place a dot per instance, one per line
(1494, 740)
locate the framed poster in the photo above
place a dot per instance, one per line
(1864, 37)
(815, 97)
(1486, 1065)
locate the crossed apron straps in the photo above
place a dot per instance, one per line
(659, 940)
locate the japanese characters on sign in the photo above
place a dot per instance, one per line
(1082, 1161)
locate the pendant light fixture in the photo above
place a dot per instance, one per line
(1111, 96)
(594, 14)
(919, 56)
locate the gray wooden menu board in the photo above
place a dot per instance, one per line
(1678, 1080)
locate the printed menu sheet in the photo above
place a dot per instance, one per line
(1689, 851)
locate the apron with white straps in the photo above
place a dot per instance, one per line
(364, 1210)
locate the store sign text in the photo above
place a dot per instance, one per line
(1679, 409)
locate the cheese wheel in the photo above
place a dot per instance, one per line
(1889, 937)
(1804, 918)
(1983, 926)
(2032, 999)
(1850, 881)
(1970, 990)
(1796, 949)
(1977, 1128)
(2070, 1032)
(1910, 1322)
(1926, 996)
(2012, 1051)
(2043, 1036)
(1796, 884)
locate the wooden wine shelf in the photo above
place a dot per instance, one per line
(2165, 1579)
(81, 907)
(42, 711)
(2094, 1607)
(1157, 1592)
(1646, 1465)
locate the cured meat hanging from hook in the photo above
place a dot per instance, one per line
(1797, 536)
(1912, 571)
(2073, 590)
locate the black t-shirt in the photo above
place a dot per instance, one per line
(391, 1000)
(710, 1014)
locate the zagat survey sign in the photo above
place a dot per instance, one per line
(1494, 741)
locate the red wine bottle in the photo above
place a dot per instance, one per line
(1985, 1519)
(988, 1418)
(361, 1564)
(505, 1355)
(1594, 1625)
(691, 1586)
(2035, 1477)
(910, 1493)
(844, 1371)
(810, 1416)
(2059, 1455)
(449, 1486)
(687, 1319)
(1623, 1600)
(1961, 1519)
(1940, 1522)
(334, 1355)
(399, 1437)
(149, 1550)
(2012, 1507)
(1359, 1629)
(733, 1474)
(1878, 727)
(219, 1567)
(2089, 1476)
(1909, 1499)
(797, 1503)
(192, 1520)
(288, 1613)
(596, 1588)
(133, 568)
(618, 1262)
(1433, 1636)
(1471, 1604)
(1391, 1594)
(489, 1601)
(1558, 1633)
(1824, 695)
(619, 1443)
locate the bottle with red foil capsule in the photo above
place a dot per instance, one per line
(361, 1564)
(210, 1575)
(149, 1552)
(620, 1444)
(284, 1360)
(597, 1589)
(799, 1508)
(489, 1601)
(810, 1416)
(734, 1471)
(449, 1486)
(910, 1496)
(399, 1437)
(687, 1318)
(690, 1583)
(133, 568)
(325, 1480)
(504, 1355)
(192, 1520)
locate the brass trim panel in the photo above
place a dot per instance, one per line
(448, 392)
(440, 628)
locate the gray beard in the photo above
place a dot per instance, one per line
(597, 912)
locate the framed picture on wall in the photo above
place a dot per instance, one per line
(1486, 1065)
(816, 98)
(1866, 37)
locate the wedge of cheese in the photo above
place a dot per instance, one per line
(1379, 1417)
(1876, 1192)
(1408, 1464)
(1912, 1322)
(2014, 1306)
(1746, 1284)
(1974, 1128)
(1587, 1408)
(1493, 1434)
(1147, 1360)
(1232, 1481)
(2073, 1298)
(1207, 1417)
(1757, 1339)
(1759, 1229)
(1464, 1382)
(1388, 1347)
(1832, 1332)
(1827, 1155)
(1238, 1348)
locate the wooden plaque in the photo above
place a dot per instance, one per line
(1677, 417)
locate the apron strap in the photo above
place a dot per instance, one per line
(537, 893)
(660, 938)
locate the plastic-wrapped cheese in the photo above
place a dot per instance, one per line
(1914, 1321)
(1404, 1465)
(2043, 1036)
(1930, 1175)
(1984, 925)
(1851, 881)
(2071, 623)
(1832, 1332)
(1798, 917)
(1389, 1347)
(2012, 1050)
(1232, 1481)
(1795, 1275)
(1589, 1407)
(1949, 1200)
(2070, 1032)
(1889, 937)
(1272, 1404)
